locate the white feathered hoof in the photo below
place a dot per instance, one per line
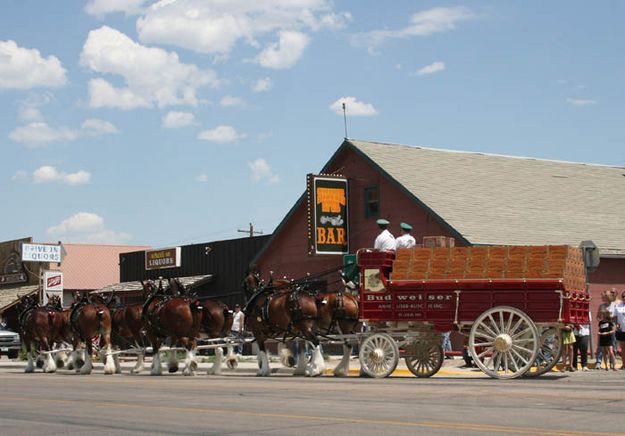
(109, 366)
(286, 358)
(30, 366)
(232, 362)
(49, 364)
(172, 369)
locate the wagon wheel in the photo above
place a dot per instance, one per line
(424, 359)
(379, 355)
(503, 342)
(549, 351)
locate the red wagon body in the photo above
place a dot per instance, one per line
(453, 287)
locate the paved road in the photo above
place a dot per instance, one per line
(556, 404)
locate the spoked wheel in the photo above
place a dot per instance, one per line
(379, 355)
(549, 351)
(424, 359)
(504, 342)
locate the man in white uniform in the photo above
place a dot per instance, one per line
(406, 240)
(385, 240)
(238, 322)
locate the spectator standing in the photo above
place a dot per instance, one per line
(619, 314)
(608, 302)
(582, 336)
(568, 339)
(606, 334)
(236, 331)
(385, 240)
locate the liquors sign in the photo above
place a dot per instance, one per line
(328, 231)
(42, 253)
(163, 258)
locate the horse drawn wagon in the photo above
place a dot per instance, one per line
(511, 302)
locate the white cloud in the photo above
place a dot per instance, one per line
(229, 100)
(263, 85)
(20, 176)
(39, 133)
(175, 120)
(580, 102)
(285, 53)
(424, 23)
(216, 26)
(29, 108)
(353, 107)
(86, 227)
(97, 127)
(103, 7)
(263, 136)
(153, 76)
(202, 178)
(221, 134)
(49, 174)
(260, 170)
(431, 69)
(23, 68)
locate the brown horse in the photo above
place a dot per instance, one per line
(175, 318)
(90, 318)
(61, 330)
(283, 310)
(127, 331)
(217, 323)
(34, 327)
(338, 314)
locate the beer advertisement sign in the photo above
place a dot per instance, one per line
(328, 231)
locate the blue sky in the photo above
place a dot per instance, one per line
(174, 122)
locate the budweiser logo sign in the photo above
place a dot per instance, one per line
(54, 281)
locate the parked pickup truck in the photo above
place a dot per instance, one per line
(9, 343)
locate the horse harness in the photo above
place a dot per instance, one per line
(337, 310)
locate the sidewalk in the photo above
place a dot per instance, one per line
(248, 365)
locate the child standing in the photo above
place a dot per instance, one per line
(568, 339)
(606, 338)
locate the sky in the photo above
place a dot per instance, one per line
(182, 121)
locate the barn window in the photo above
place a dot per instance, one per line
(372, 201)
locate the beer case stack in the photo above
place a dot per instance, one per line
(494, 262)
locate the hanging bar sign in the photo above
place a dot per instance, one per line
(327, 214)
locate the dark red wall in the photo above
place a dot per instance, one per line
(287, 255)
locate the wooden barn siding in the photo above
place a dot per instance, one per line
(288, 253)
(227, 261)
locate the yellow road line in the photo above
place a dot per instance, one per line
(447, 425)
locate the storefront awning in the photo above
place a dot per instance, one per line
(189, 282)
(10, 296)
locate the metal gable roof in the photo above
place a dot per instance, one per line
(493, 199)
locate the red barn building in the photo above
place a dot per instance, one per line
(476, 198)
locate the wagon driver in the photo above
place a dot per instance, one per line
(385, 240)
(406, 240)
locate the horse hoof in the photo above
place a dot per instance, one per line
(60, 364)
(173, 369)
(39, 363)
(70, 366)
(291, 361)
(79, 363)
(232, 363)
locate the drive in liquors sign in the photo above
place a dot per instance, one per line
(41, 253)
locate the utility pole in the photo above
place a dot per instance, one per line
(251, 231)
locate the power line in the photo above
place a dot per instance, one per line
(251, 231)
